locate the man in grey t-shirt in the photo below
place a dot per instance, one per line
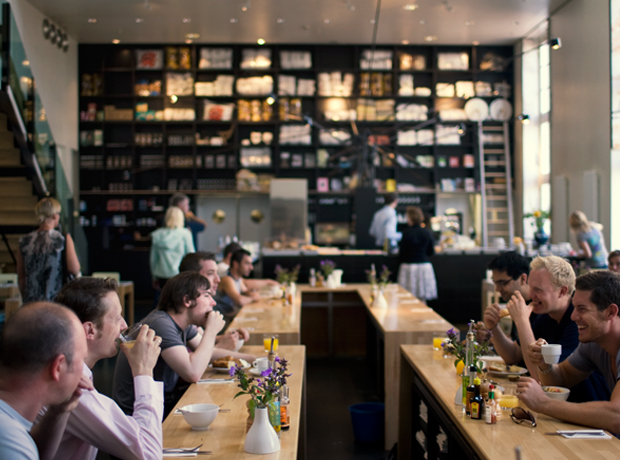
(596, 301)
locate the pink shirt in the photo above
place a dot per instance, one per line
(98, 423)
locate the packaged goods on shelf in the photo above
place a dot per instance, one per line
(179, 114)
(289, 109)
(452, 114)
(447, 135)
(295, 59)
(333, 137)
(426, 137)
(91, 138)
(444, 90)
(114, 114)
(181, 139)
(119, 162)
(334, 84)
(483, 88)
(181, 161)
(179, 84)
(91, 161)
(216, 184)
(453, 61)
(502, 89)
(254, 110)
(375, 110)
(465, 89)
(412, 61)
(178, 58)
(255, 86)
(145, 87)
(376, 60)
(255, 157)
(405, 85)
(144, 114)
(148, 139)
(152, 161)
(287, 85)
(468, 160)
(214, 111)
(407, 137)
(221, 86)
(422, 91)
(92, 84)
(215, 58)
(296, 134)
(306, 87)
(470, 184)
(149, 59)
(255, 58)
(120, 186)
(411, 112)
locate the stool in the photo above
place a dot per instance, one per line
(125, 290)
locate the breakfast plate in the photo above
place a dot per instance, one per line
(493, 369)
(226, 370)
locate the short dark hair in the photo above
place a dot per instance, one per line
(512, 263)
(604, 287)
(415, 214)
(390, 198)
(178, 198)
(35, 335)
(238, 256)
(179, 287)
(615, 253)
(231, 248)
(191, 261)
(83, 296)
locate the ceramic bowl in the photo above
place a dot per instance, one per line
(559, 393)
(200, 416)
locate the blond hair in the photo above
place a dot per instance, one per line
(47, 208)
(174, 218)
(562, 273)
(578, 222)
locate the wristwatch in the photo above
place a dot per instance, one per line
(545, 371)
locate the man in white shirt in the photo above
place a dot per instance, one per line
(43, 350)
(224, 265)
(384, 222)
(98, 423)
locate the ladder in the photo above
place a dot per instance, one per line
(495, 183)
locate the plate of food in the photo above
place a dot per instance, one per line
(224, 364)
(501, 369)
(560, 393)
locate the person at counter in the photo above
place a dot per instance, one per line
(596, 300)
(551, 285)
(613, 260)
(416, 273)
(590, 238)
(224, 265)
(233, 293)
(384, 222)
(194, 223)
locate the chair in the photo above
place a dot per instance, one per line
(8, 278)
(114, 275)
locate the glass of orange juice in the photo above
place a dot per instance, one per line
(438, 339)
(129, 335)
(267, 342)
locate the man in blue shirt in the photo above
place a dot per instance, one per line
(192, 221)
(384, 222)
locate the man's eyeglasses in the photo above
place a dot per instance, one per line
(520, 415)
(502, 283)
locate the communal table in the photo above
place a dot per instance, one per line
(226, 435)
(406, 320)
(431, 425)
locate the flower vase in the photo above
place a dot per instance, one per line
(458, 397)
(380, 301)
(541, 237)
(330, 282)
(262, 438)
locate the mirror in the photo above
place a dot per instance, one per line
(218, 216)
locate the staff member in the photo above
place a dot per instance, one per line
(384, 222)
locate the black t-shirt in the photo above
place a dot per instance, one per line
(416, 245)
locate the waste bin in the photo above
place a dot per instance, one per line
(368, 421)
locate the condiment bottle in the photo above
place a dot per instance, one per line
(285, 417)
(469, 360)
(490, 411)
(477, 404)
(470, 390)
(271, 356)
(312, 279)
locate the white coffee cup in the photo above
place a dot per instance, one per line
(551, 353)
(239, 344)
(261, 364)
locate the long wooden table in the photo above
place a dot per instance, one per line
(405, 321)
(427, 379)
(225, 437)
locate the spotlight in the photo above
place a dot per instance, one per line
(461, 129)
(271, 99)
(555, 43)
(524, 119)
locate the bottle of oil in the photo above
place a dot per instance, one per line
(477, 404)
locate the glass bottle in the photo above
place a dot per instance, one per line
(470, 390)
(312, 279)
(285, 417)
(477, 404)
(490, 411)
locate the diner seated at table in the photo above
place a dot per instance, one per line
(551, 284)
(224, 265)
(596, 301)
(98, 423)
(204, 263)
(233, 292)
(613, 261)
(185, 303)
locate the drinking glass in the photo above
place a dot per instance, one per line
(438, 339)
(129, 335)
(267, 342)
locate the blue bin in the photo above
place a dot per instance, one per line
(368, 421)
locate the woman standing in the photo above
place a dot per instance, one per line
(169, 246)
(590, 240)
(416, 273)
(39, 259)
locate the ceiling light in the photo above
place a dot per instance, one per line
(139, 20)
(280, 21)
(174, 98)
(26, 63)
(475, 43)
(270, 100)
(405, 42)
(327, 21)
(422, 21)
(524, 119)
(233, 20)
(469, 23)
(186, 20)
(555, 43)
(410, 7)
(431, 38)
(244, 8)
(92, 20)
(192, 36)
(188, 41)
(116, 41)
(260, 41)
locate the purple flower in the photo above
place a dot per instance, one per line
(451, 332)
(277, 359)
(266, 373)
(232, 371)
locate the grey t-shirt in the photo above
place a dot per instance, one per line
(172, 336)
(589, 357)
(15, 440)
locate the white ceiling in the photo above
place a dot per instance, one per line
(301, 21)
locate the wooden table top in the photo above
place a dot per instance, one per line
(225, 437)
(269, 316)
(499, 440)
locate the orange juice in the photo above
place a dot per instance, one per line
(509, 401)
(267, 344)
(437, 341)
(130, 343)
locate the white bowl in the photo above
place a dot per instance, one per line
(200, 416)
(561, 395)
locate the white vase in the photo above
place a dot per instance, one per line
(330, 282)
(380, 301)
(458, 397)
(262, 438)
(337, 275)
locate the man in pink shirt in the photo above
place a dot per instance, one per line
(98, 422)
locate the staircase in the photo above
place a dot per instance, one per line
(495, 183)
(18, 198)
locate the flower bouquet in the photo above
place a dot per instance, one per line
(455, 347)
(327, 267)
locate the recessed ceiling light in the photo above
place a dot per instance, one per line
(327, 21)
(92, 20)
(431, 38)
(405, 42)
(469, 23)
(139, 20)
(233, 20)
(244, 8)
(116, 41)
(475, 43)
(280, 21)
(260, 41)
(422, 21)
(188, 41)
(410, 7)
(26, 63)
(192, 36)
(186, 20)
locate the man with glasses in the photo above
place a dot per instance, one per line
(596, 301)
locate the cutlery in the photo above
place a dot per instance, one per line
(216, 380)
(577, 433)
(181, 449)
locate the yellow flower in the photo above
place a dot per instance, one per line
(537, 213)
